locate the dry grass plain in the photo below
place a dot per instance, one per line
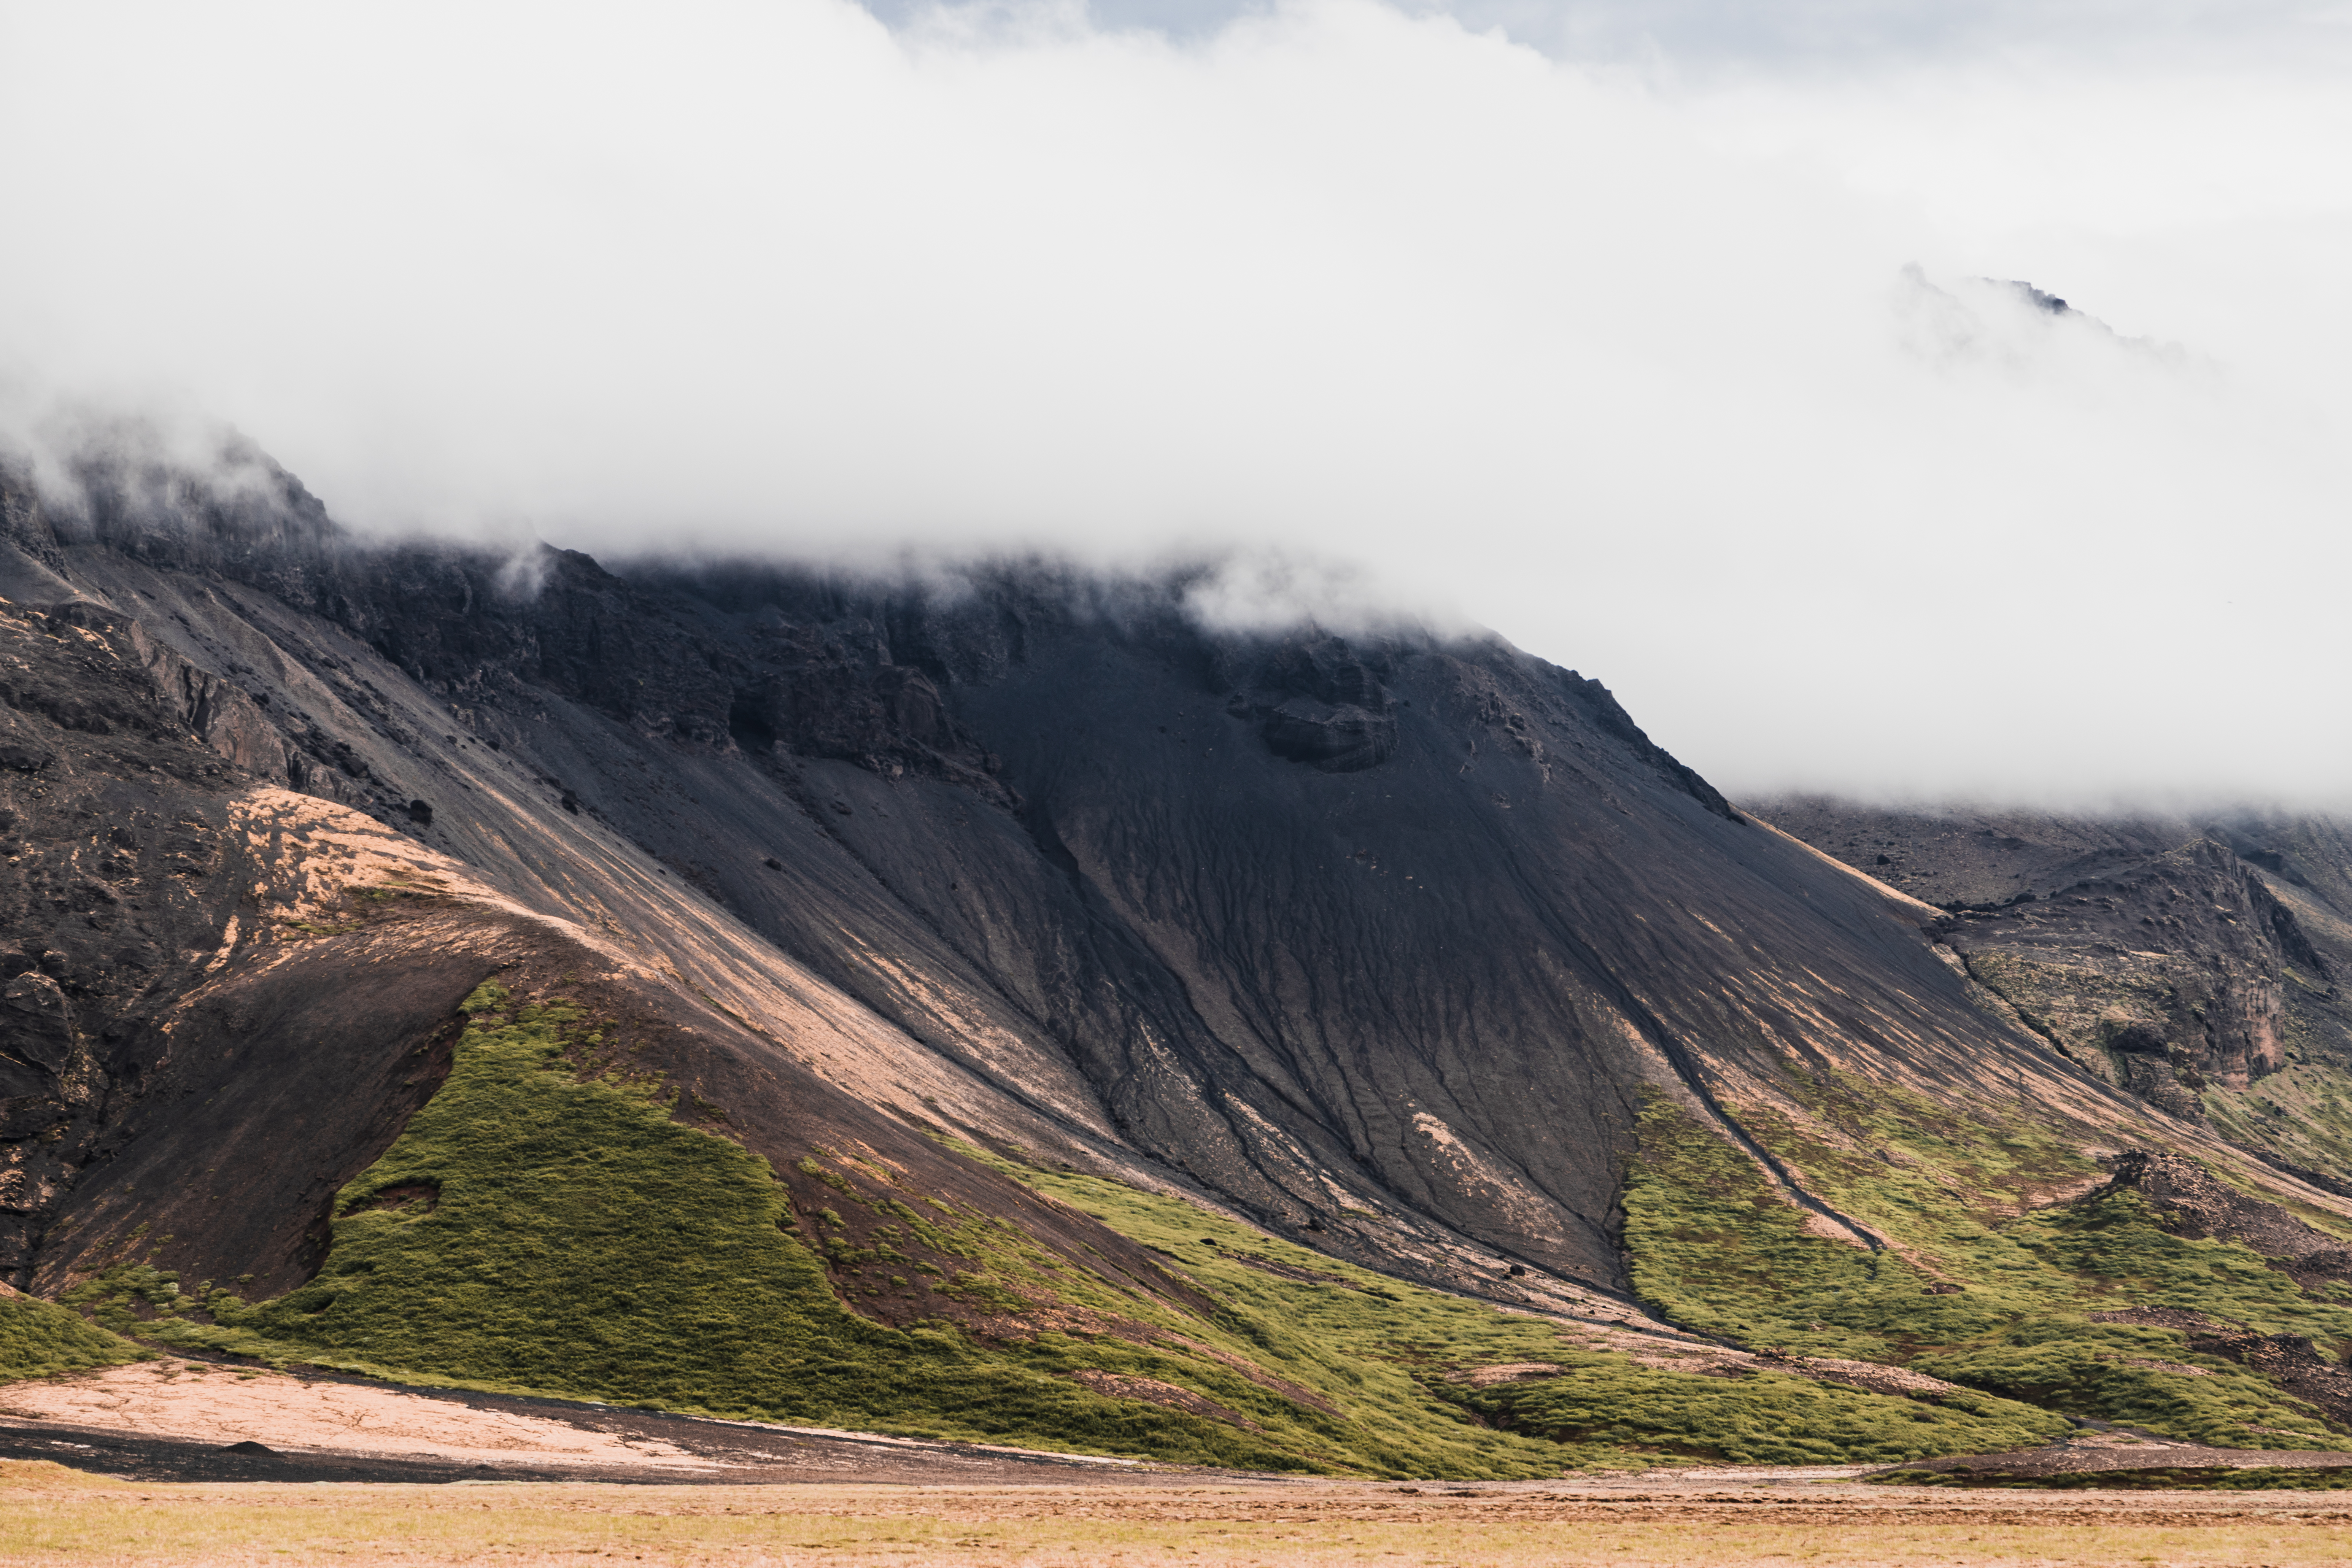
(53, 1516)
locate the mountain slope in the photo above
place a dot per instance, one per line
(926, 898)
(1129, 882)
(2197, 963)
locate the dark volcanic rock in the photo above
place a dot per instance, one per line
(2195, 963)
(1382, 940)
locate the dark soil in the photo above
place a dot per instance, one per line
(2168, 1466)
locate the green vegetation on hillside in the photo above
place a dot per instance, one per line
(1766, 1417)
(2301, 1112)
(545, 1224)
(1716, 1247)
(41, 1339)
(535, 1230)
(1401, 1348)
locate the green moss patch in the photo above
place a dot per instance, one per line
(42, 1339)
(547, 1224)
(579, 1241)
(2117, 1252)
(1764, 1418)
(2138, 1377)
(1716, 1247)
(1993, 1300)
(1395, 1357)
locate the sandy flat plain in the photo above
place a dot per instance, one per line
(50, 1515)
(625, 1486)
(223, 1404)
(175, 1419)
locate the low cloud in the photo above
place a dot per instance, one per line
(1676, 365)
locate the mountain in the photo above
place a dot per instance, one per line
(1006, 1006)
(2196, 962)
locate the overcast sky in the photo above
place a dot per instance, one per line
(1651, 335)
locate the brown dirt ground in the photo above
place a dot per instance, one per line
(50, 1515)
(199, 1402)
(2121, 1453)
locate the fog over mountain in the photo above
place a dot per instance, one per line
(1657, 337)
(1364, 738)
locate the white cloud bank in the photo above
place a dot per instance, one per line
(1622, 359)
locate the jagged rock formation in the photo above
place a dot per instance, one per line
(206, 1036)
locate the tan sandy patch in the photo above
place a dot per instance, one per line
(196, 1402)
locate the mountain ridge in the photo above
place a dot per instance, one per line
(1416, 953)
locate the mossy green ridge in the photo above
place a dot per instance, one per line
(579, 1241)
(538, 1231)
(1714, 1246)
(543, 1226)
(2303, 1111)
(113, 1299)
(41, 1339)
(1393, 1353)
(1764, 1418)
(1373, 1348)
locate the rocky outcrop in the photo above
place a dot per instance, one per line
(2193, 1201)
(2172, 967)
(220, 1000)
(1316, 701)
(2193, 963)
(114, 897)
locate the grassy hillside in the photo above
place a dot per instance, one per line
(41, 1339)
(548, 1227)
(1972, 1290)
(1402, 1350)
